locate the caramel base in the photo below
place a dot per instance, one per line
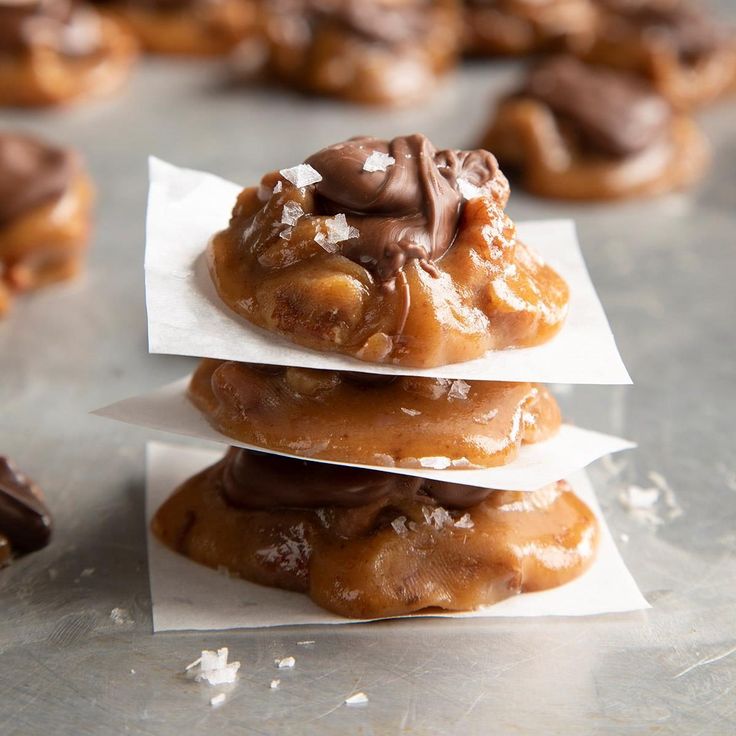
(526, 139)
(46, 244)
(354, 563)
(212, 30)
(491, 292)
(320, 414)
(43, 77)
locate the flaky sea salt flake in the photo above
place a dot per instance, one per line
(275, 684)
(213, 668)
(217, 700)
(468, 190)
(120, 616)
(302, 175)
(291, 213)
(459, 390)
(378, 161)
(399, 525)
(464, 522)
(338, 229)
(285, 663)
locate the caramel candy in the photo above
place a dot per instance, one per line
(189, 27)
(45, 202)
(573, 131)
(686, 54)
(375, 420)
(25, 522)
(381, 52)
(516, 27)
(392, 252)
(398, 554)
(57, 51)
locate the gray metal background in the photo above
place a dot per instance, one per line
(665, 271)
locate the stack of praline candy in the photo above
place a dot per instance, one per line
(402, 257)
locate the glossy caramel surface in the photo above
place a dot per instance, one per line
(391, 557)
(375, 420)
(490, 292)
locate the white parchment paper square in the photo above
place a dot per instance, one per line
(187, 317)
(572, 448)
(187, 595)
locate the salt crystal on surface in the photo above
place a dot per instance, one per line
(302, 175)
(437, 518)
(468, 190)
(339, 230)
(357, 699)
(291, 213)
(285, 234)
(275, 684)
(214, 668)
(378, 161)
(459, 390)
(217, 700)
(411, 412)
(399, 525)
(464, 522)
(285, 663)
(278, 187)
(87, 572)
(306, 643)
(436, 463)
(120, 616)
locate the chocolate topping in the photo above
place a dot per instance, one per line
(24, 518)
(613, 113)
(60, 24)
(256, 480)
(685, 27)
(412, 209)
(31, 174)
(379, 21)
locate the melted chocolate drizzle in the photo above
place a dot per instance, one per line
(24, 519)
(256, 480)
(411, 210)
(31, 174)
(614, 113)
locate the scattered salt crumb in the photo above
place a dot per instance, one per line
(285, 234)
(378, 161)
(217, 700)
(468, 190)
(213, 667)
(87, 572)
(285, 663)
(132, 672)
(302, 175)
(464, 522)
(635, 497)
(291, 213)
(120, 616)
(624, 537)
(399, 525)
(278, 187)
(459, 390)
(411, 412)
(305, 643)
(436, 463)
(275, 684)
(357, 699)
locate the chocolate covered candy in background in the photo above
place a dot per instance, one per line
(45, 214)
(574, 131)
(54, 52)
(377, 52)
(25, 522)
